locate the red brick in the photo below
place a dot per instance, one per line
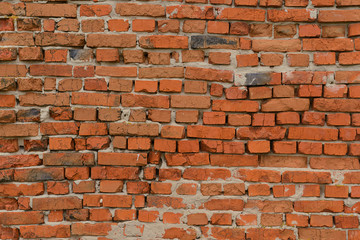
(194, 26)
(111, 186)
(242, 14)
(218, 27)
(259, 175)
(171, 218)
(56, 55)
(95, 99)
(192, 55)
(246, 220)
(284, 147)
(118, 25)
(259, 146)
(333, 31)
(313, 118)
(313, 148)
(349, 58)
(247, 60)
(311, 133)
(293, 45)
(335, 91)
(148, 216)
(61, 144)
(328, 44)
(294, 15)
(159, 58)
(169, 26)
(336, 191)
(271, 219)
(306, 177)
(221, 219)
(311, 233)
(49, 25)
(283, 161)
(92, 10)
(125, 214)
(57, 203)
(271, 59)
(15, 218)
(211, 189)
(208, 74)
(109, 40)
(92, 229)
(336, 163)
(161, 72)
(219, 58)
(125, 159)
(298, 60)
(59, 39)
(197, 219)
(180, 159)
(284, 191)
(132, 9)
(309, 30)
(19, 130)
(285, 104)
(327, 58)
(234, 160)
(332, 105)
(143, 25)
(311, 191)
(92, 25)
(157, 115)
(323, 3)
(338, 119)
(271, 133)
(287, 118)
(263, 119)
(214, 118)
(8, 54)
(319, 206)
(346, 221)
(107, 55)
(258, 190)
(338, 15)
(321, 221)
(157, 41)
(59, 128)
(170, 86)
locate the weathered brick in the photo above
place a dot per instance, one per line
(243, 14)
(45, 231)
(59, 39)
(15, 218)
(50, 10)
(109, 40)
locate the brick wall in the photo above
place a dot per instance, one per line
(195, 119)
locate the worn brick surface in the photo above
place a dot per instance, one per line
(195, 119)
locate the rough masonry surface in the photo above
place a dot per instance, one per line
(172, 119)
